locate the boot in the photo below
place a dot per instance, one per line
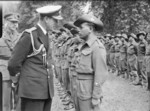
(137, 80)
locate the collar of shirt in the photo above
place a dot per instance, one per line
(44, 31)
(90, 41)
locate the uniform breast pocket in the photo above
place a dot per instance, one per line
(86, 57)
(85, 64)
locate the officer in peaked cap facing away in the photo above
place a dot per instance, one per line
(32, 58)
(91, 68)
(7, 43)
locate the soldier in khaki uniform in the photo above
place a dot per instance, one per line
(73, 55)
(57, 57)
(117, 53)
(61, 61)
(148, 61)
(132, 58)
(65, 65)
(112, 55)
(102, 39)
(141, 57)
(7, 42)
(91, 67)
(55, 52)
(123, 55)
(107, 46)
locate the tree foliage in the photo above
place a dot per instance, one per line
(118, 16)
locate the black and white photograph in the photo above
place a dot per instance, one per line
(75, 55)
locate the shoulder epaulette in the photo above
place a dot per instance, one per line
(99, 43)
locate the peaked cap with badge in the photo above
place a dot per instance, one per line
(12, 17)
(51, 10)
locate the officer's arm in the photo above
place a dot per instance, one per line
(100, 70)
(19, 54)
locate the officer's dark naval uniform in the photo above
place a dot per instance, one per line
(32, 58)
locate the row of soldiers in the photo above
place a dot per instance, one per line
(65, 46)
(127, 55)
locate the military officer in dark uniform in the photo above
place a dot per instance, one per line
(91, 67)
(32, 58)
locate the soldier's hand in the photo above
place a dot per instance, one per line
(13, 85)
(15, 78)
(95, 102)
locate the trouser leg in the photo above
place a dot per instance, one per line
(35, 105)
(7, 95)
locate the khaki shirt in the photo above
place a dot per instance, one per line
(123, 51)
(5, 51)
(92, 61)
(141, 48)
(148, 49)
(132, 49)
(112, 48)
(117, 47)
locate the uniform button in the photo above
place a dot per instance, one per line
(48, 76)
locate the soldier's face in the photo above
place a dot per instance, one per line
(107, 39)
(148, 37)
(122, 39)
(13, 25)
(84, 31)
(141, 37)
(116, 39)
(131, 39)
(64, 35)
